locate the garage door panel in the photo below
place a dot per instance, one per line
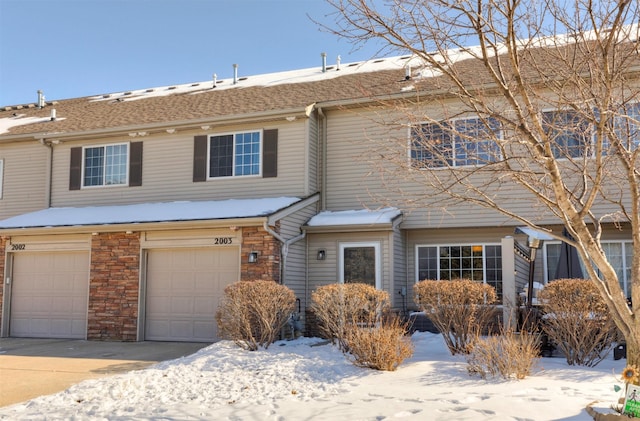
(201, 330)
(183, 291)
(49, 295)
(202, 305)
(61, 305)
(182, 306)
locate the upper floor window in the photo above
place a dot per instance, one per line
(626, 126)
(455, 143)
(569, 133)
(234, 154)
(116, 164)
(105, 165)
(478, 262)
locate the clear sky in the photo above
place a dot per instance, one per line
(73, 48)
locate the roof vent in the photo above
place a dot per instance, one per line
(53, 114)
(40, 99)
(407, 72)
(338, 62)
(215, 80)
(235, 74)
(324, 62)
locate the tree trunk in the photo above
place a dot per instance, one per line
(633, 349)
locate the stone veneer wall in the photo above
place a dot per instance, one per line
(3, 245)
(268, 265)
(114, 287)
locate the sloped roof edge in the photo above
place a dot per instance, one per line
(148, 213)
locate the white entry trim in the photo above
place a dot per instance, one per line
(375, 245)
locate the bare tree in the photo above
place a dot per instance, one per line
(553, 90)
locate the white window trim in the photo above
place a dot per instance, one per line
(103, 186)
(545, 265)
(627, 243)
(484, 257)
(1, 176)
(233, 164)
(590, 139)
(375, 245)
(451, 120)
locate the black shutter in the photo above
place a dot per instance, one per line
(200, 158)
(270, 154)
(75, 169)
(135, 164)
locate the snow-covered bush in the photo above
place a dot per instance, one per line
(577, 320)
(251, 313)
(381, 346)
(460, 309)
(338, 306)
(506, 355)
(356, 316)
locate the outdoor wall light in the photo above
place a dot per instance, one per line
(322, 254)
(253, 257)
(534, 243)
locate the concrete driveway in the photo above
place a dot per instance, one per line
(34, 367)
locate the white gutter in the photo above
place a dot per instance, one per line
(48, 172)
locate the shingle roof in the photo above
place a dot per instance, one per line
(148, 107)
(286, 91)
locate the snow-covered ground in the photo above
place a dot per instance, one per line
(307, 379)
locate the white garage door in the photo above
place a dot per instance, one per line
(184, 287)
(49, 295)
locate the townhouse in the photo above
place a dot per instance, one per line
(123, 216)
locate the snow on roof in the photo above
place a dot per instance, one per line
(269, 79)
(534, 233)
(316, 74)
(149, 212)
(354, 217)
(21, 120)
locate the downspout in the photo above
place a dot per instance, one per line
(323, 165)
(49, 172)
(285, 246)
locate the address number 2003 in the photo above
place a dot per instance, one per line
(223, 241)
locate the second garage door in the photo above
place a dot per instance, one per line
(49, 295)
(184, 287)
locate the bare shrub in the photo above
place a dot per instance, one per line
(461, 310)
(380, 346)
(578, 321)
(338, 306)
(251, 313)
(507, 355)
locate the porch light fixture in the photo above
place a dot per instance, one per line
(253, 257)
(322, 254)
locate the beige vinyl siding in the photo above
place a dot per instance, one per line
(167, 171)
(354, 155)
(25, 178)
(295, 276)
(325, 272)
